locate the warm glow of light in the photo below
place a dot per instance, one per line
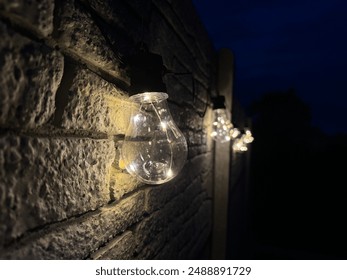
(247, 137)
(137, 118)
(147, 97)
(169, 173)
(240, 144)
(234, 133)
(121, 164)
(221, 126)
(163, 125)
(154, 149)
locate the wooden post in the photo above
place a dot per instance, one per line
(222, 162)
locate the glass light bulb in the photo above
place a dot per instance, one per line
(154, 149)
(221, 126)
(239, 145)
(234, 133)
(247, 137)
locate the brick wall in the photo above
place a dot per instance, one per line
(63, 113)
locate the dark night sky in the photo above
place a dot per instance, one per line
(300, 44)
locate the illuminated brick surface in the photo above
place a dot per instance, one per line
(63, 114)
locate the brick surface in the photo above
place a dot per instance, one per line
(118, 13)
(189, 41)
(95, 105)
(66, 197)
(37, 15)
(161, 226)
(120, 248)
(49, 179)
(80, 36)
(30, 74)
(158, 196)
(122, 183)
(77, 238)
(150, 235)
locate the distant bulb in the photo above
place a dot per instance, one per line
(221, 126)
(247, 137)
(234, 133)
(154, 149)
(240, 144)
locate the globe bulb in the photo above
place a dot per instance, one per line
(234, 133)
(221, 126)
(247, 137)
(154, 149)
(239, 145)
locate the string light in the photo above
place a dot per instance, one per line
(222, 128)
(154, 149)
(240, 144)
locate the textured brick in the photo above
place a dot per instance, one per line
(181, 230)
(203, 46)
(150, 235)
(207, 182)
(81, 37)
(158, 196)
(37, 15)
(66, 198)
(153, 232)
(49, 179)
(77, 238)
(95, 105)
(167, 42)
(198, 229)
(30, 74)
(150, 231)
(201, 241)
(122, 183)
(120, 248)
(117, 13)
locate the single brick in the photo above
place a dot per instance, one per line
(80, 36)
(77, 238)
(43, 180)
(30, 74)
(120, 248)
(36, 15)
(96, 105)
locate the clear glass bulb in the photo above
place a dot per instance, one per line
(154, 149)
(247, 137)
(221, 126)
(234, 133)
(239, 145)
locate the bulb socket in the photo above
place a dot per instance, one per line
(146, 72)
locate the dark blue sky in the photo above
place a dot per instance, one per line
(278, 45)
